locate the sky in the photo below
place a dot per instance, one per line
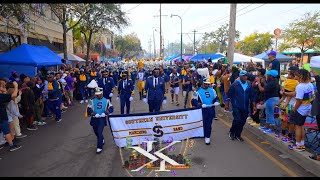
(207, 18)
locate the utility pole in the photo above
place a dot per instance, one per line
(154, 45)
(194, 42)
(232, 32)
(160, 34)
(150, 48)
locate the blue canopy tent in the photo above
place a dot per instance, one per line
(280, 57)
(171, 57)
(26, 59)
(201, 57)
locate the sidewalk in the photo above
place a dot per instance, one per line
(301, 158)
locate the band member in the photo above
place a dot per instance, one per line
(108, 85)
(206, 98)
(141, 79)
(99, 108)
(155, 89)
(125, 92)
(174, 84)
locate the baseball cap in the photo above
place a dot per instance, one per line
(206, 81)
(243, 73)
(272, 53)
(273, 73)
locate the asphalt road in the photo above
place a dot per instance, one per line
(67, 149)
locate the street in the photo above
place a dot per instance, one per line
(68, 148)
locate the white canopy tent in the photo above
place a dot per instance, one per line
(72, 57)
(240, 58)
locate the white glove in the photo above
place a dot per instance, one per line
(204, 105)
(97, 116)
(131, 98)
(117, 98)
(164, 102)
(103, 115)
(111, 94)
(145, 100)
(216, 104)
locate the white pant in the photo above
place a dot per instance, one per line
(17, 128)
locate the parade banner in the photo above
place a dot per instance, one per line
(172, 125)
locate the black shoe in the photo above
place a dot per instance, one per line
(231, 136)
(14, 147)
(240, 139)
(216, 118)
(32, 128)
(1, 146)
(15, 141)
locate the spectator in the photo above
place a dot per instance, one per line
(28, 105)
(54, 97)
(39, 105)
(271, 91)
(14, 76)
(275, 64)
(258, 96)
(302, 108)
(68, 89)
(4, 124)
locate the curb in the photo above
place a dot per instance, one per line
(301, 158)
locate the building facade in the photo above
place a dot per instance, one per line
(44, 29)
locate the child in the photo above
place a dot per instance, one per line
(289, 85)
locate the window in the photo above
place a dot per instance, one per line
(8, 42)
(42, 7)
(53, 16)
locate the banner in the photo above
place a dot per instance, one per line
(167, 125)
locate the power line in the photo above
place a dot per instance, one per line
(133, 8)
(219, 19)
(237, 16)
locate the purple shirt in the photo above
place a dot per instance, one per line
(69, 81)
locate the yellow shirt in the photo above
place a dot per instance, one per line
(93, 73)
(290, 84)
(82, 77)
(211, 79)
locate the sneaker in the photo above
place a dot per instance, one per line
(81, 102)
(285, 140)
(215, 118)
(172, 102)
(58, 120)
(41, 123)
(14, 147)
(297, 148)
(231, 136)
(268, 131)
(1, 146)
(277, 136)
(263, 128)
(32, 128)
(21, 136)
(35, 122)
(63, 111)
(98, 151)
(240, 139)
(177, 104)
(86, 101)
(207, 141)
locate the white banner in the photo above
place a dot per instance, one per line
(177, 125)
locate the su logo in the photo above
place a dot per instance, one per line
(157, 129)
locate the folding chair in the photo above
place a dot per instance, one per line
(312, 139)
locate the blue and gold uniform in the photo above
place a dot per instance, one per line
(99, 108)
(125, 92)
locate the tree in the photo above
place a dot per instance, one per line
(18, 14)
(255, 43)
(128, 46)
(303, 33)
(68, 12)
(101, 18)
(219, 38)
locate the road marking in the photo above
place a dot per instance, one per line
(269, 156)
